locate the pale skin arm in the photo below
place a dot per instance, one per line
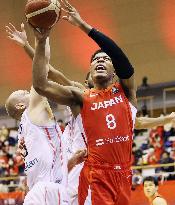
(159, 201)
(66, 95)
(146, 122)
(20, 38)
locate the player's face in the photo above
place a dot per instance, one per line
(101, 67)
(149, 188)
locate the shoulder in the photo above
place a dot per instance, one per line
(159, 201)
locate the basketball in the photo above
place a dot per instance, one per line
(42, 13)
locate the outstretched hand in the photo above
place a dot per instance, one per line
(19, 37)
(72, 16)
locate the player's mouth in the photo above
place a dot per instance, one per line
(100, 67)
(148, 191)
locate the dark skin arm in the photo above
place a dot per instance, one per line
(76, 159)
(119, 59)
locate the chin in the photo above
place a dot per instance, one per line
(101, 76)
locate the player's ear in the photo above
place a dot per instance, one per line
(20, 106)
(86, 82)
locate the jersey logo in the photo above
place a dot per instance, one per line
(115, 90)
(107, 103)
(117, 139)
(93, 95)
(20, 129)
(30, 164)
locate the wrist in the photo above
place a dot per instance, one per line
(26, 44)
(85, 27)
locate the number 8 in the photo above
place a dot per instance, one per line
(111, 123)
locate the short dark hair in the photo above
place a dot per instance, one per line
(95, 53)
(151, 179)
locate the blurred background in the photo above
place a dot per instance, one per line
(145, 30)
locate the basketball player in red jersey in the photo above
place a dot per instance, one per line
(106, 175)
(151, 191)
(20, 38)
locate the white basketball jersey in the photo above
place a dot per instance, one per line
(43, 160)
(74, 138)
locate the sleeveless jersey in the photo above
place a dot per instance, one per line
(73, 137)
(43, 158)
(107, 119)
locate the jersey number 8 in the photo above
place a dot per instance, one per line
(111, 123)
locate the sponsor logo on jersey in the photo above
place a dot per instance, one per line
(93, 95)
(117, 139)
(115, 90)
(30, 164)
(107, 103)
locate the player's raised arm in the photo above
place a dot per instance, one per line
(122, 66)
(65, 95)
(20, 38)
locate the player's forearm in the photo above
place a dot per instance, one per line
(71, 164)
(39, 66)
(29, 50)
(58, 77)
(146, 123)
(85, 27)
(53, 74)
(122, 66)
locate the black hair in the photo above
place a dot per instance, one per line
(151, 179)
(95, 53)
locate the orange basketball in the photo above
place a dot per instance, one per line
(42, 13)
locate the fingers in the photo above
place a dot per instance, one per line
(8, 30)
(65, 18)
(12, 27)
(22, 26)
(68, 5)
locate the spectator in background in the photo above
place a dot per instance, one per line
(152, 158)
(150, 185)
(156, 140)
(166, 159)
(136, 154)
(3, 133)
(137, 178)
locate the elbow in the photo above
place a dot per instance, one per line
(40, 87)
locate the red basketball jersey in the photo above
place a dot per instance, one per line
(108, 125)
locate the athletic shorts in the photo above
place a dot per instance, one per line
(73, 183)
(47, 193)
(104, 185)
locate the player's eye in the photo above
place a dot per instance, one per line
(107, 59)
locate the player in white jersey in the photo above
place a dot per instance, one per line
(43, 158)
(45, 162)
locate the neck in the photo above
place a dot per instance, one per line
(102, 84)
(152, 197)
